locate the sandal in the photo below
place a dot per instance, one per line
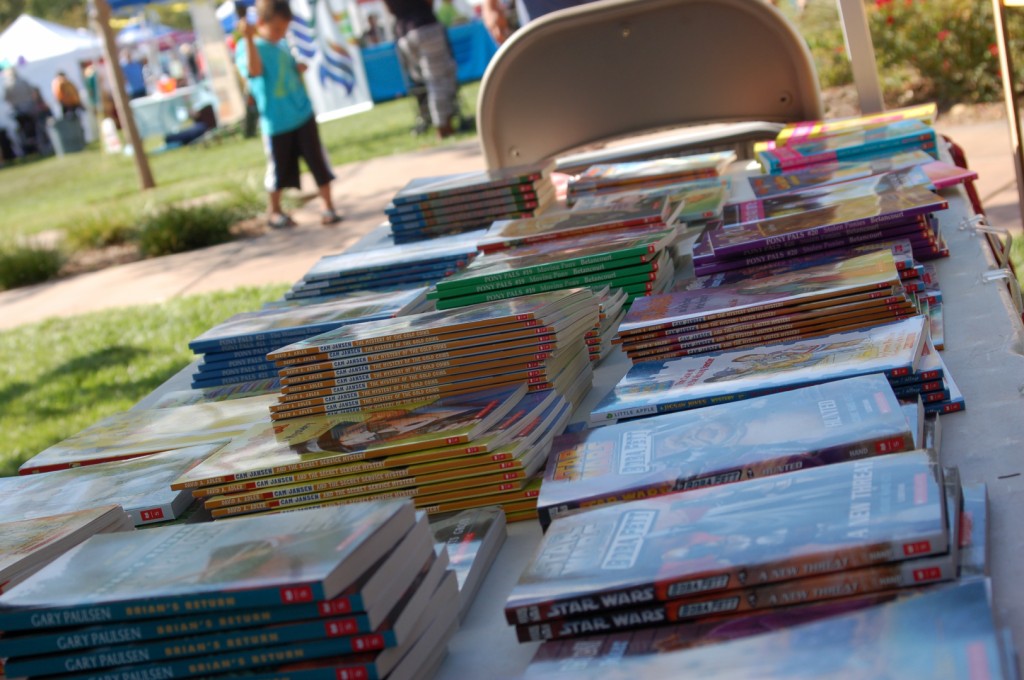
(329, 217)
(280, 221)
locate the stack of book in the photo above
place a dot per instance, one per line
(537, 339)
(485, 448)
(807, 427)
(28, 545)
(357, 591)
(946, 632)
(853, 143)
(861, 216)
(236, 350)
(472, 539)
(846, 294)
(613, 178)
(695, 201)
(652, 387)
(201, 395)
(654, 213)
(393, 266)
(635, 261)
(859, 527)
(428, 207)
(142, 486)
(613, 306)
(140, 432)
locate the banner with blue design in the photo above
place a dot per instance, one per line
(321, 37)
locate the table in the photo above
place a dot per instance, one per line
(163, 114)
(471, 44)
(985, 354)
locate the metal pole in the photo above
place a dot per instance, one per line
(100, 15)
(1012, 112)
(862, 55)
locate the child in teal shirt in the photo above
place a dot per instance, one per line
(286, 114)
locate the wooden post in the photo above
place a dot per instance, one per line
(1010, 96)
(861, 51)
(100, 16)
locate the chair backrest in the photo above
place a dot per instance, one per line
(617, 67)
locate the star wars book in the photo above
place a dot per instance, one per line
(943, 633)
(208, 567)
(779, 433)
(763, 531)
(653, 387)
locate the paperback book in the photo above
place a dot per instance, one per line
(653, 387)
(819, 425)
(807, 523)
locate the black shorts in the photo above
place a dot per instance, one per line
(284, 151)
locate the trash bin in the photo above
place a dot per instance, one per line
(66, 135)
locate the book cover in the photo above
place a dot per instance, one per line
(805, 523)
(391, 257)
(942, 633)
(627, 172)
(135, 433)
(795, 133)
(206, 649)
(425, 188)
(629, 247)
(310, 320)
(361, 608)
(353, 437)
(974, 528)
(652, 387)
(874, 271)
(563, 224)
(140, 485)
(821, 196)
(525, 312)
(207, 567)
(897, 136)
(27, 545)
(806, 427)
(882, 208)
(778, 184)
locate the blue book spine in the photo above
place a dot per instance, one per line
(33, 618)
(137, 662)
(205, 383)
(270, 337)
(215, 364)
(205, 372)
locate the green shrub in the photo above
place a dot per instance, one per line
(24, 265)
(175, 229)
(950, 44)
(101, 229)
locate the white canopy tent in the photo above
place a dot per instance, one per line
(38, 49)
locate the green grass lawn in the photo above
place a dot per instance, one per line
(62, 375)
(57, 193)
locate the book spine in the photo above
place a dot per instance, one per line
(795, 592)
(158, 607)
(849, 228)
(613, 269)
(566, 268)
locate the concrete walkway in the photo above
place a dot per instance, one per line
(362, 191)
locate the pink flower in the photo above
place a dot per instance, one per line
(942, 35)
(889, 20)
(993, 49)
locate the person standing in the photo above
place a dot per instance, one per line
(286, 113)
(20, 95)
(424, 51)
(66, 94)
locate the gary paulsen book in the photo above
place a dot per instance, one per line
(472, 539)
(806, 427)
(205, 567)
(653, 387)
(806, 523)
